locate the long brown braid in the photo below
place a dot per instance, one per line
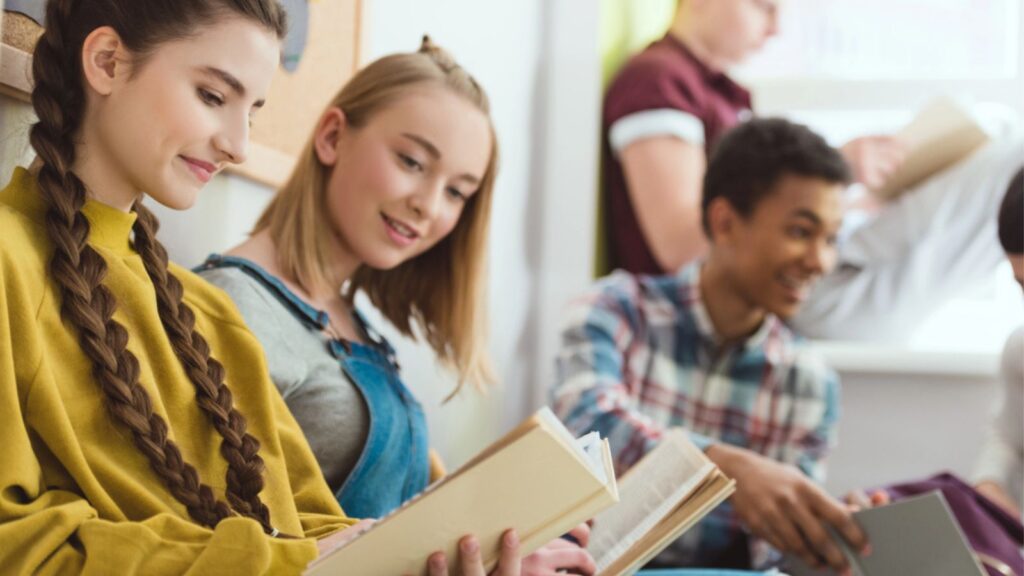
(86, 304)
(239, 448)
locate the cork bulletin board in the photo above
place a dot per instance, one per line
(320, 53)
(18, 35)
(329, 57)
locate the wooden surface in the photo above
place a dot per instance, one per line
(295, 101)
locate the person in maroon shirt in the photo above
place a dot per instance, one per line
(662, 114)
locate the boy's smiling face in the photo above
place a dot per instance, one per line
(774, 255)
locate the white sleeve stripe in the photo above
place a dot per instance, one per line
(650, 123)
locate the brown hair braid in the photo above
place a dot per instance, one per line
(239, 448)
(86, 304)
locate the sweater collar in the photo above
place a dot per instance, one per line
(109, 228)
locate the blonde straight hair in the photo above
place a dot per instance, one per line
(441, 292)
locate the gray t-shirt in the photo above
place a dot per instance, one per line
(328, 407)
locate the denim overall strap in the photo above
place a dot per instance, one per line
(394, 464)
(308, 315)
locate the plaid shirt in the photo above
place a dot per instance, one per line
(639, 355)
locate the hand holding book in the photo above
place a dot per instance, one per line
(542, 481)
(471, 561)
(874, 159)
(780, 504)
(538, 479)
(939, 136)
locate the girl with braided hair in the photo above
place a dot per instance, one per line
(140, 431)
(391, 197)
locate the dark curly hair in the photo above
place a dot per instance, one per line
(749, 159)
(1011, 216)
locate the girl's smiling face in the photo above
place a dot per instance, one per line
(399, 183)
(166, 126)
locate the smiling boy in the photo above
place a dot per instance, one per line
(706, 349)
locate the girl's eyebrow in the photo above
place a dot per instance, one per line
(433, 151)
(426, 144)
(234, 83)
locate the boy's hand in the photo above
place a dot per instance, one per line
(873, 159)
(778, 503)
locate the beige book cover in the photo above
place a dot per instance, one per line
(538, 479)
(938, 137)
(663, 495)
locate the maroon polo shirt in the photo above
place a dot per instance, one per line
(664, 90)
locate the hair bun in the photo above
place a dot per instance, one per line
(437, 54)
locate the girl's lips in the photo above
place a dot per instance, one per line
(203, 171)
(396, 236)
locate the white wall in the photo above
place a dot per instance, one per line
(899, 427)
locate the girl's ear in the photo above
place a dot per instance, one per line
(104, 60)
(328, 134)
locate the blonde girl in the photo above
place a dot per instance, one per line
(391, 197)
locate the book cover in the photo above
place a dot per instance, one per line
(537, 479)
(914, 537)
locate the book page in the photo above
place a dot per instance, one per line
(708, 496)
(652, 489)
(591, 446)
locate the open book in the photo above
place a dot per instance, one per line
(914, 537)
(661, 497)
(538, 479)
(938, 137)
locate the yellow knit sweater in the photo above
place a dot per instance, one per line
(76, 495)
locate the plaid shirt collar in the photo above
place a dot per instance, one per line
(689, 290)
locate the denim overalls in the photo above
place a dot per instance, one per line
(394, 464)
